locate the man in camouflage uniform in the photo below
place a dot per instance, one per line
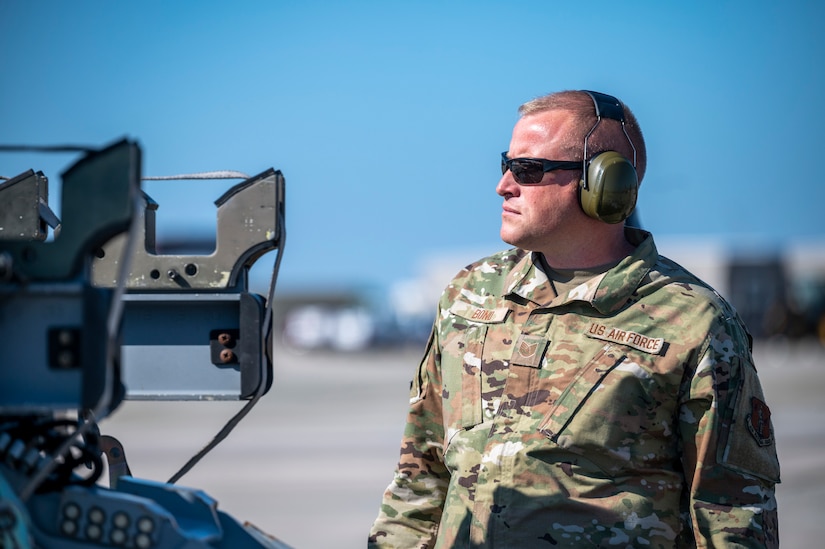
(580, 390)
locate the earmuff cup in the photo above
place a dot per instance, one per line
(610, 187)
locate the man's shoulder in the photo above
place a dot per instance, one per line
(680, 280)
(503, 260)
(672, 283)
(488, 274)
(498, 264)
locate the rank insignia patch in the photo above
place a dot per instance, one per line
(759, 422)
(529, 350)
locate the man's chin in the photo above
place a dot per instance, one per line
(510, 239)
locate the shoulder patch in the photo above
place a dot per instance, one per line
(759, 422)
(652, 345)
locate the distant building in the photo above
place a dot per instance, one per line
(779, 292)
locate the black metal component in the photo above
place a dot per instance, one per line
(98, 193)
(247, 227)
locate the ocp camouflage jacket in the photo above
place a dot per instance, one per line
(626, 413)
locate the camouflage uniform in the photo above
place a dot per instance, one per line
(625, 413)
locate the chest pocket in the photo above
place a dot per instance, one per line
(475, 341)
(608, 410)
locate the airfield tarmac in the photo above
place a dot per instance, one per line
(311, 460)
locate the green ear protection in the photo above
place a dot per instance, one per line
(609, 184)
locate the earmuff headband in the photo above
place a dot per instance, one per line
(609, 107)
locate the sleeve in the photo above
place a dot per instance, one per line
(412, 504)
(729, 452)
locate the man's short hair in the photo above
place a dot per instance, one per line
(608, 136)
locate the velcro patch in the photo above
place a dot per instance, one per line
(652, 345)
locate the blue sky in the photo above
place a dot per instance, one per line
(387, 118)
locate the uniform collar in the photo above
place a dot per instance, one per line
(606, 292)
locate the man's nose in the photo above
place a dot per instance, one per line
(507, 185)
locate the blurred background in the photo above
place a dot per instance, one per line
(387, 119)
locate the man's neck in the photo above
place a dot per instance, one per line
(588, 251)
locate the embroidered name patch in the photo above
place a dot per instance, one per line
(484, 315)
(652, 345)
(479, 314)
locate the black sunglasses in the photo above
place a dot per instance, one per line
(530, 171)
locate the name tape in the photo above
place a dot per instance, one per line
(652, 345)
